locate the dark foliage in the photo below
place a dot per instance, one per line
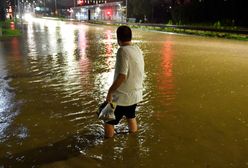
(2, 11)
(227, 12)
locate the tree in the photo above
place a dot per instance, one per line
(139, 8)
(160, 11)
(153, 10)
(3, 10)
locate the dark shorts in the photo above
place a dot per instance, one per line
(120, 111)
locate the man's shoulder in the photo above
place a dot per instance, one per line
(130, 48)
(121, 51)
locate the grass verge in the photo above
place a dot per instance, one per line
(8, 29)
(226, 35)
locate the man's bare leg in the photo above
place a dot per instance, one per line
(108, 130)
(132, 125)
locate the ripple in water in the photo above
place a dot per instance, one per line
(8, 108)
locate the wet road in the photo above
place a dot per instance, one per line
(194, 112)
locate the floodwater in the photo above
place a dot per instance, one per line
(194, 113)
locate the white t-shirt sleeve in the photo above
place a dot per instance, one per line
(122, 62)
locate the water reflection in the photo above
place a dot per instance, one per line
(84, 61)
(71, 66)
(109, 46)
(124, 149)
(165, 92)
(104, 80)
(166, 84)
(52, 36)
(53, 77)
(82, 41)
(32, 46)
(70, 147)
(6, 98)
(15, 45)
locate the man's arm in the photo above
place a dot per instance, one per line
(116, 84)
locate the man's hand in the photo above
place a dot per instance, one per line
(119, 80)
(109, 97)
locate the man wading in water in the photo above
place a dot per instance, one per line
(127, 86)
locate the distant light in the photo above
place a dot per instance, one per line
(12, 25)
(28, 17)
(37, 8)
(80, 2)
(10, 9)
(98, 10)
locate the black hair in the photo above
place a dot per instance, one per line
(124, 33)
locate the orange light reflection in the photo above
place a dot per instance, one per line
(82, 45)
(109, 47)
(16, 48)
(166, 81)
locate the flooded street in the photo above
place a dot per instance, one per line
(52, 79)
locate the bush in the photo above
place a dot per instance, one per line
(217, 25)
(170, 22)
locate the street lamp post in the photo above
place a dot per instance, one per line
(55, 7)
(43, 3)
(16, 8)
(74, 14)
(126, 11)
(20, 8)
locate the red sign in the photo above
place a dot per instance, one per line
(80, 2)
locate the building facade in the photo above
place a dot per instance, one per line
(107, 11)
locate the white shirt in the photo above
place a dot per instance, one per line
(130, 62)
